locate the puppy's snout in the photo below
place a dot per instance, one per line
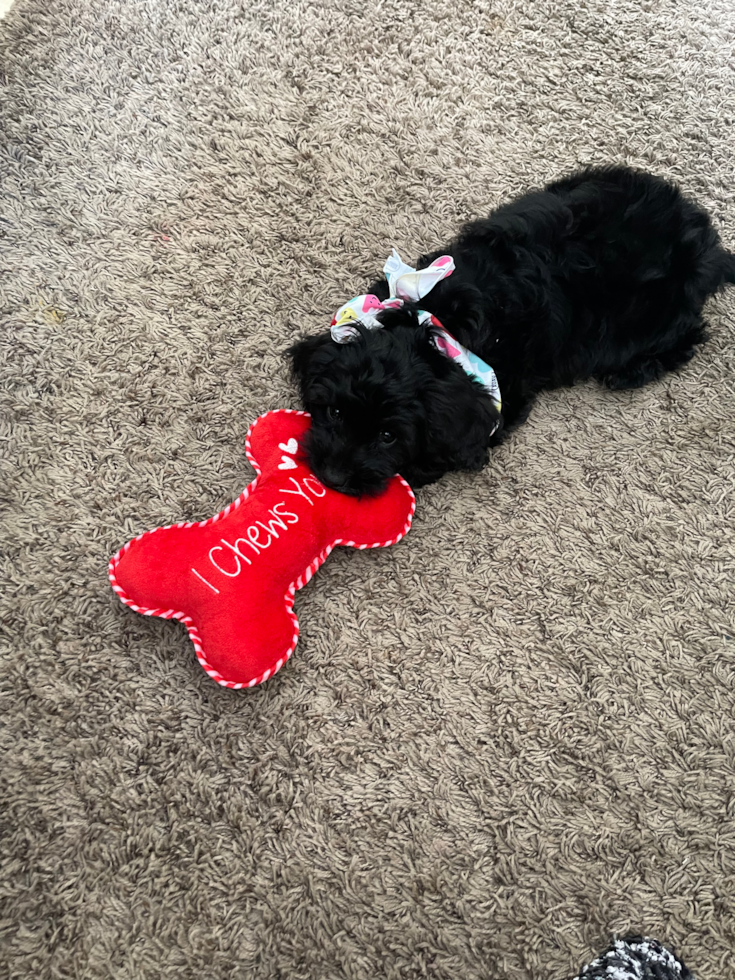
(333, 477)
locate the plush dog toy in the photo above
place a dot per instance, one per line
(231, 579)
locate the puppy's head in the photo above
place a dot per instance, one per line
(388, 403)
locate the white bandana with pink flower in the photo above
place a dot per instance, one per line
(409, 285)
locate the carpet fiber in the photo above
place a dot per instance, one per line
(501, 741)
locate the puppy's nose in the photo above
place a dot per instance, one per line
(333, 477)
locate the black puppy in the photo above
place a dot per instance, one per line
(603, 274)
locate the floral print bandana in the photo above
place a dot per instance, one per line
(409, 285)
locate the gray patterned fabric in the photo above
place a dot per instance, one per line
(636, 959)
(499, 742)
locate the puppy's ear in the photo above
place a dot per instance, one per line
(459, 421)
(302, 352)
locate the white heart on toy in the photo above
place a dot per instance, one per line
(289, 447)
(287, 464)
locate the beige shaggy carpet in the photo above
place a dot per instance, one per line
(498, 743)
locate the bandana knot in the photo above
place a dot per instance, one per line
(409, 285)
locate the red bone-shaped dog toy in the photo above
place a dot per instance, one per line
(231, 579)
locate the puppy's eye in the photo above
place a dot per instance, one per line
(387, 438)
(333, 414)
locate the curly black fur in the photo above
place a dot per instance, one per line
(602, 274)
